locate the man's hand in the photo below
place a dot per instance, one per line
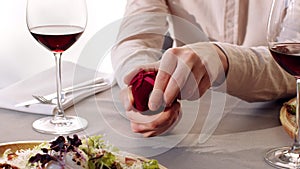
(183, 73)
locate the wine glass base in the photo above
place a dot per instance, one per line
(71, 124)
(283, 157)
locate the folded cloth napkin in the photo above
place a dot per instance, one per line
(44, 83)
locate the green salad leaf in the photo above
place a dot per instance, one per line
(151, 164)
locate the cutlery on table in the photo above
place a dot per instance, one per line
(51, 98)
(43, 99)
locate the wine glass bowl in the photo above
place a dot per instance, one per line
(57, 25)
(284, 44)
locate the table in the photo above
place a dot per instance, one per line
(245, 133)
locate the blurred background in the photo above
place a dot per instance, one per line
(21, 56)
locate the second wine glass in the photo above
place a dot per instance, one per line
(57, 25)
(284, 45)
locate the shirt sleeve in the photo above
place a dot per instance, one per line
(253, 74)
(140, 37)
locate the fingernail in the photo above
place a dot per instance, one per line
(153, 106)
(155, 99)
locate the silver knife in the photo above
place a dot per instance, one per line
(66, 91)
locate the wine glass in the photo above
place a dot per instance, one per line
(57, 25)
(284, 44)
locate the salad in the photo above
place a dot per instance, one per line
(74, 153)
(290, 107)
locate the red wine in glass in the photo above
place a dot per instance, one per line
(57, 38)
(287, 55)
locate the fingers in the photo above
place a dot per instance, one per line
(176, 82)
(166, 68)
(190, 90)
(152, 125)
(203, 86)
(180, 71)
(126, 98)
(126, 93)
(180, 74)
(171, 76)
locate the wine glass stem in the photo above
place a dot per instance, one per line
(297, 132)
(60, 111)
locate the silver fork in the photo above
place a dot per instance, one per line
(42, 99)
(52, 99)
